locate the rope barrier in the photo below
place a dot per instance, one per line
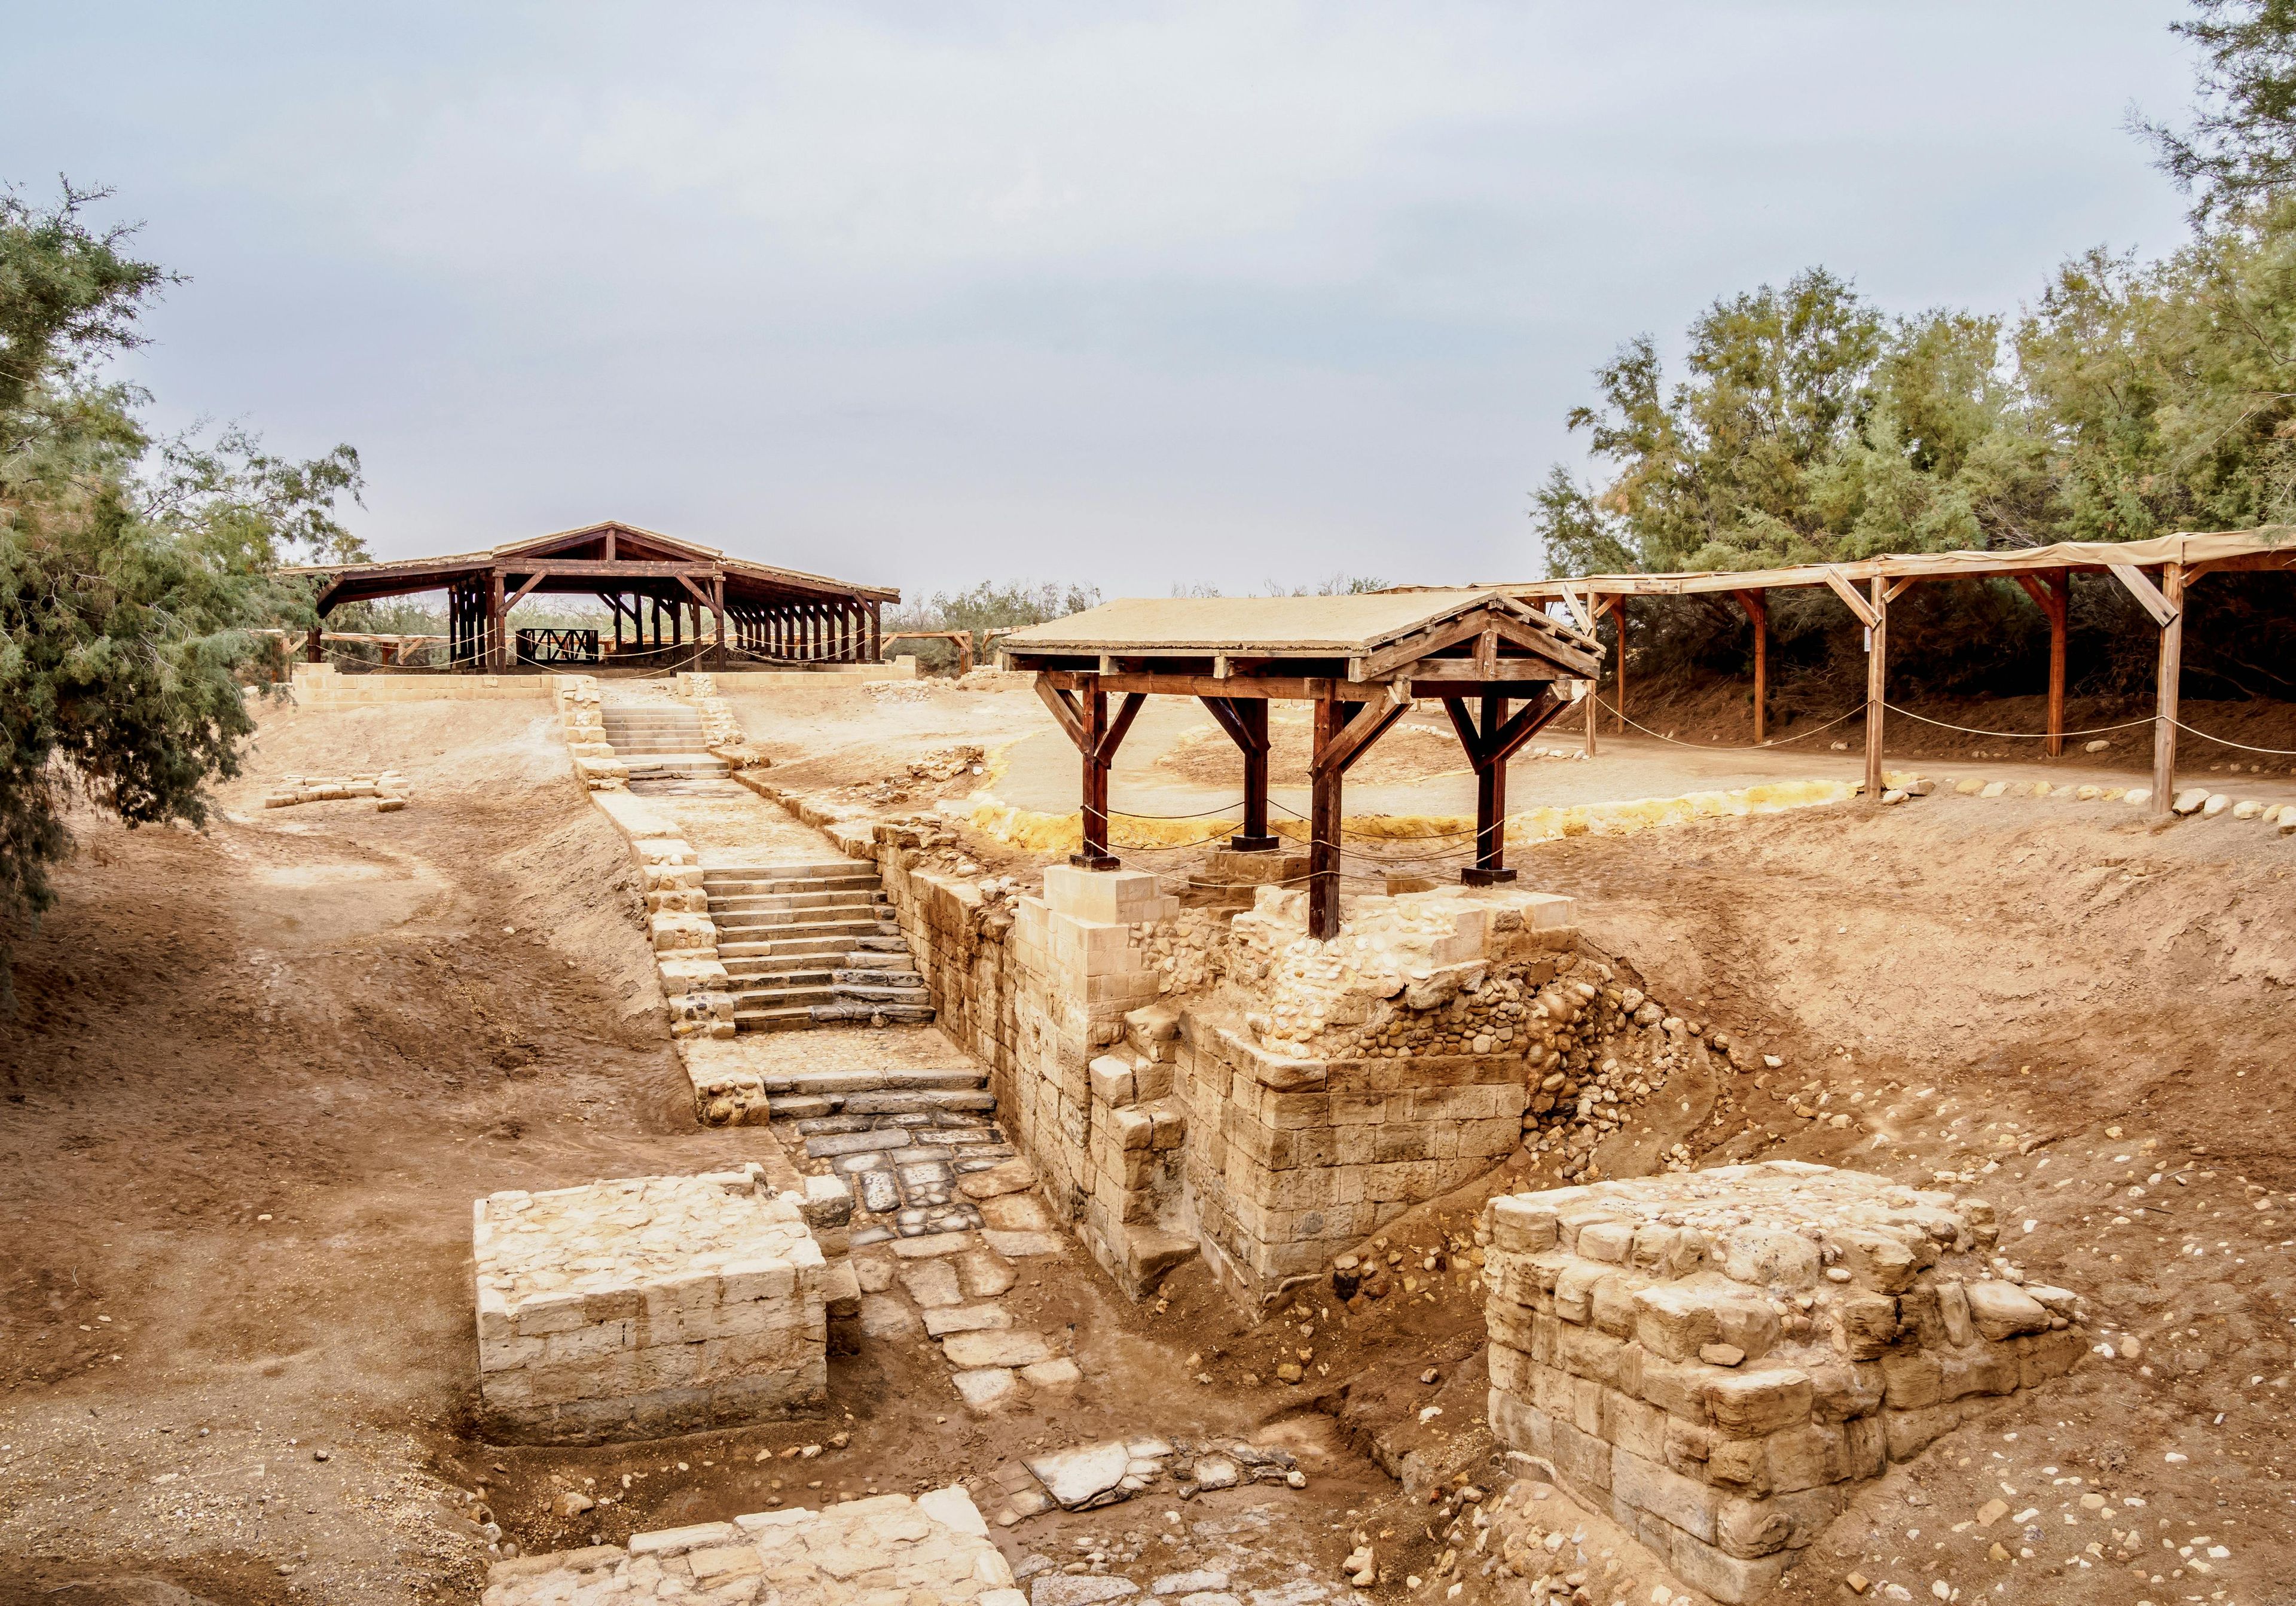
(1735, 747)
(2282, 752)
(1971, 730)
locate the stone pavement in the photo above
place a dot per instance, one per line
(885, 1551)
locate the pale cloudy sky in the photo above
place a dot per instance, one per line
(1131, 295)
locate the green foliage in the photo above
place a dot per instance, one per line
(131, 602)
(2240, 150)
(2131, 400)
(986, 606)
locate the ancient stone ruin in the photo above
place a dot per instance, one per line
(887, 1548)
(660, 1305)
(1719, 1357)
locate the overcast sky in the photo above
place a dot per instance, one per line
(1128, 295)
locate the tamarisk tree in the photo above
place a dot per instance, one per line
(137, 576)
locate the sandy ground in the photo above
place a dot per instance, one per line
(353, 1024)
(1176, 763)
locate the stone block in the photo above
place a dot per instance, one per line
(729, 1283)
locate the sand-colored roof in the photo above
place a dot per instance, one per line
(1277, 627)
(2244, 547)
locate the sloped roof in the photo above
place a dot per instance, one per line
(1280, 627)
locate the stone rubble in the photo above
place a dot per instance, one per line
(387, 790)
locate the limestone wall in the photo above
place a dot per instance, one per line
(1719, 1357)
(636, 1308)
(324, 686)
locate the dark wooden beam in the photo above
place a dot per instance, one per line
(1758, 609)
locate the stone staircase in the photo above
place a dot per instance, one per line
(660, 741)
(811, 944)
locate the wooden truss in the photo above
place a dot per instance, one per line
(1478, 655)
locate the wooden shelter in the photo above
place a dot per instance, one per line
(1360, 660)
(2156, 572)
(657, 586)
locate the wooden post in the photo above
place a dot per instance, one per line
(615, 602)
(1758, 609)
(1596, 608)
(2052, 595)
(1877, 655)
(1095, 854)
(1490, 803)
(1324, 825)
(717, 606)
(1245, 721)
(2172, 663)
(316, 650)
(1489, 746)
(496, 622)
(1252, 714)
(1619, 613)
(2060, 586)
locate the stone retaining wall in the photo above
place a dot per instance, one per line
(1719, 1357)
(642, 1307)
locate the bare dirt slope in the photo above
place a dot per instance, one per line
(2086, 1021)
(254, 1079)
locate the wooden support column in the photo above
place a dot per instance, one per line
(2052, 595)
(1095, 855)
(2171, 678)
(496, 624)
(1489, 745)
(1340, 740)
(1324, 819)
(615, 602)
(1619, 613)
(316, 650)
(1245, 721)
(876, 632)
(1877, 654)
(718, 658)
(1083, 718)
(1758, 609)
(1596, 606)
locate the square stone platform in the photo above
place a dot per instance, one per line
(636, 1308)
(1719, 1357)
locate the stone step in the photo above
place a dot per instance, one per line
(787, 967)
(772, 937)
(713, 872)
(718, 886)
(777, 997)
(767, 903)
(861, 992)
(862, 1014)
(777, 920)
(872, 1081)
(868, 983)
(821, 950)
(741, 971)
(798, 1018)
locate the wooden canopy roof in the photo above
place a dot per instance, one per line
(609, 557)
(2271, 547)
(1364, 641)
